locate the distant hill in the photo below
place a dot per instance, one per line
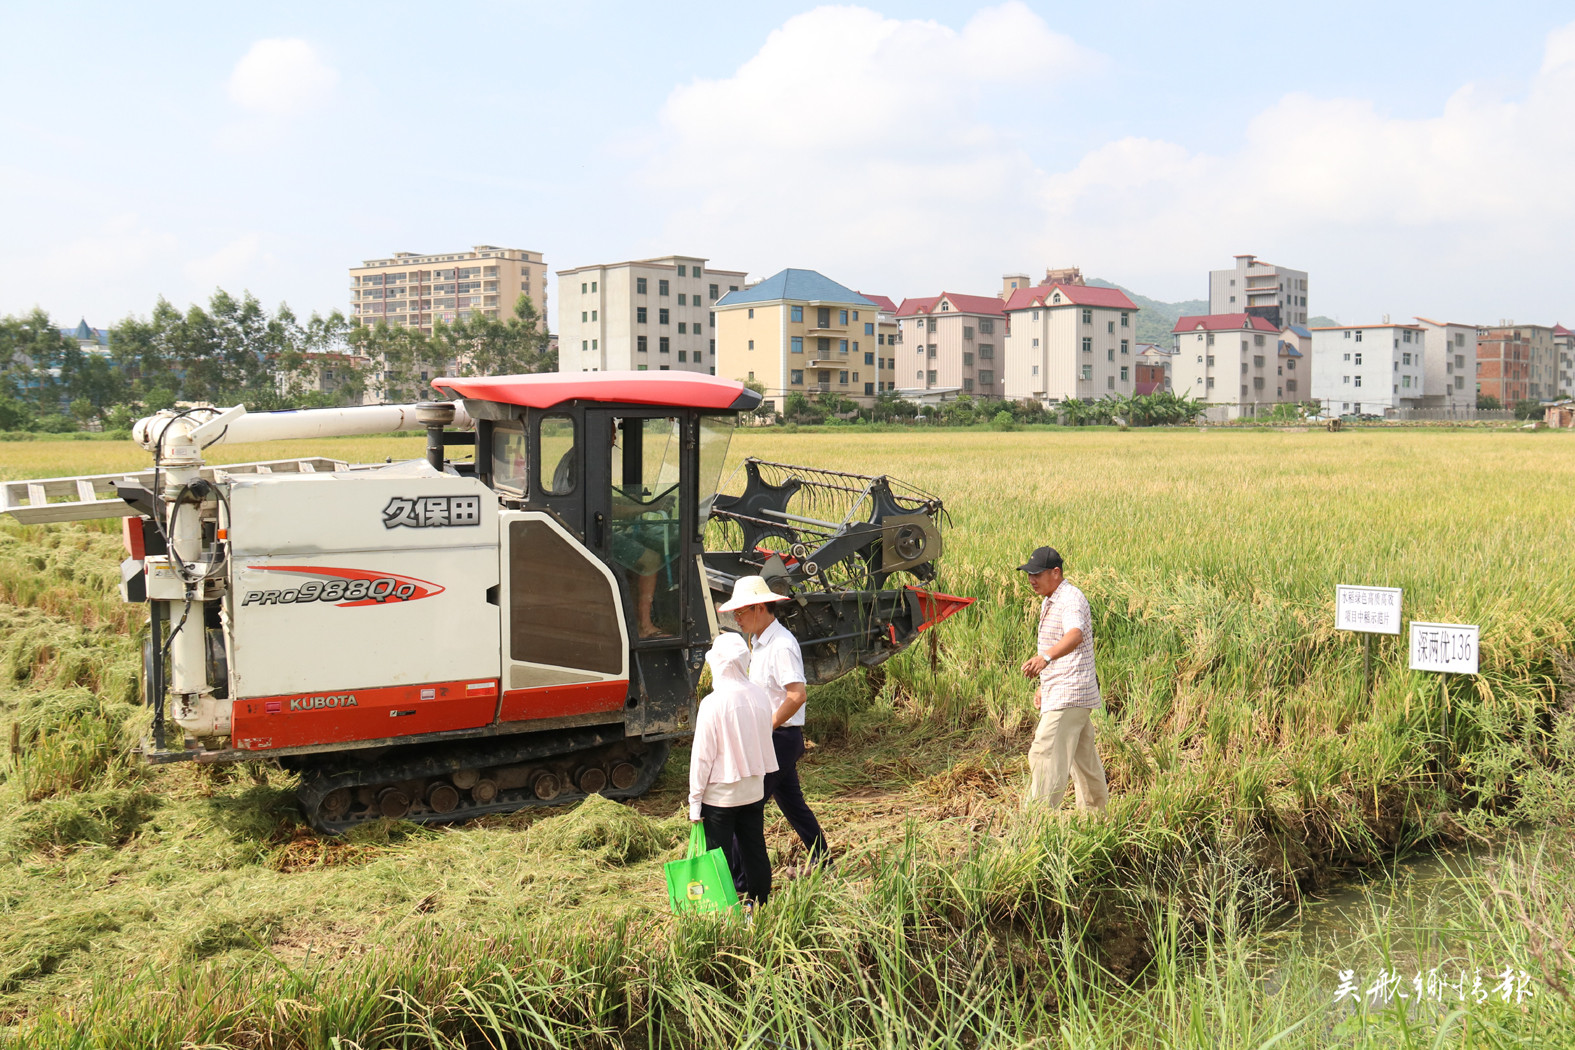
(1155, 319)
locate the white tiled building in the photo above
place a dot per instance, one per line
(646, 314)
(1449, 359)
(1277, 294)
(1070, 341)
(1369, 369)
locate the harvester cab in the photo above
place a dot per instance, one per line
(441, 638)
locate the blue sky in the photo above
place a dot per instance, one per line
(1414, 158)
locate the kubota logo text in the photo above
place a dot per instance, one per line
(317, 703)
(346, 588)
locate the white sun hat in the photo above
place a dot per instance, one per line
(750, 590)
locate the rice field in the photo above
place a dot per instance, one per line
(184, 906)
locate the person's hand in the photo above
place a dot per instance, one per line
(1032, 667)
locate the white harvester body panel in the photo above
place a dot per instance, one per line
(359, 580)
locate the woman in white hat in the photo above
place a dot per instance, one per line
(776, 665)
(728, 764)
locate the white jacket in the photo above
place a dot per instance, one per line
(733, 729)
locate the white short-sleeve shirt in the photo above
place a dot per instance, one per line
(776, 663)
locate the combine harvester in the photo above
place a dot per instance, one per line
(433, 640)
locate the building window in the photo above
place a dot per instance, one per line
(640, 344)
(751, 346)
(986, 327)
(869, 359)
(683, 271)
(986, 377)
(639, 315)
(986, 351)
(929, 376)
(1034, 370)
(664, 345)
(1110, 328)
(798, 344)
(713, 291)
(869, 389)
(842, 316)
(869, 327)
(639, 286)
(1210, 360)
(967, 386)
(662, 315)
(1036, 315)
(1088, 317)
(683, 328)
(682, 356)
(1210, 383)
(967, 358)
(796, 314)
(1358, 381)
(842, 378)
(751, 314)
(842, 346)
(661, 287)
(1358, 356)
(1088, 344)
(796, 377)
(585, 315)
(1125, 320)
(822, 345)
(1405, 358)
(1123, 373)
(683, 300)
(1110, 353)
(1088, 371)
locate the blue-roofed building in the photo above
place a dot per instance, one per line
(91, 340)
(798, 331)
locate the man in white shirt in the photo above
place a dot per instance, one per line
(1068, 690)
(777, 666)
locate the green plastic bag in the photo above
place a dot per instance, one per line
(701, 881)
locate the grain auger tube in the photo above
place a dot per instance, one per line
(518, 618)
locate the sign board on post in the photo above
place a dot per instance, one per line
(1375, 610)
(1447, 647)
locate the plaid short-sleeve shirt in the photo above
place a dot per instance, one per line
(1069, 681)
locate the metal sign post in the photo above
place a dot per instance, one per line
(1369, 610)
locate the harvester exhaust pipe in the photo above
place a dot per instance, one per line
(435, 415)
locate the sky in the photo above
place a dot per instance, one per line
(1414, 158)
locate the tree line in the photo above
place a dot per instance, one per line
(1156, 409)
(235, 351)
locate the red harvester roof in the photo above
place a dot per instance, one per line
(545, 389)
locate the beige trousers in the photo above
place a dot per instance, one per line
(1064, 747)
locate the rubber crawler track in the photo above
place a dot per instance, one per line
(418, 772)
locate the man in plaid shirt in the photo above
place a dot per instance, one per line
(1068, 690)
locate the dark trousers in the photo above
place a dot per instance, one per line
(740, 833)
(783, 786)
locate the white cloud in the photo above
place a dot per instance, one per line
(896, 155)
(282, 77)
(867, 130)
(229, 266)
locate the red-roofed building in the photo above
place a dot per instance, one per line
(1069, 341)
(952, 342)
(1240, 362)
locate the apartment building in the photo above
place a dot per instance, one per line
(953, 342)
(1240, 362)
(1564, 343)
(643, 315)
(411, 290)
(1070, 341)
(799, 331)
(1448, 368)
(1518, 362)
(1368, 369)
(1277, 294)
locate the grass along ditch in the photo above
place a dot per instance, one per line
(155, 907)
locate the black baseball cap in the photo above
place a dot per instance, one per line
(1042, 559)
